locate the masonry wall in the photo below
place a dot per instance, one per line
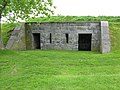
(58, 31)
(53, 36)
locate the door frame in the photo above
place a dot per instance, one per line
(39, 35)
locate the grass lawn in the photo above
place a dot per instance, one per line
(59, 70)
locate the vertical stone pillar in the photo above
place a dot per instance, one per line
(105, 37)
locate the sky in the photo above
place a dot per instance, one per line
(87, 7)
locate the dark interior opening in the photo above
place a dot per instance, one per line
(50, 38)
(67, 37)
(84, 42)
(36, 37)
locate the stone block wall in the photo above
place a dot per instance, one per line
(60, 36)
(58, 31)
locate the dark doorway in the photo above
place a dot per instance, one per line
(67, 37)
(36, 37)
(84, 42)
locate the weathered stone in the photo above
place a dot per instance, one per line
(17, 39)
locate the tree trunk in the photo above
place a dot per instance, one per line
(4, 4)
(1, 42)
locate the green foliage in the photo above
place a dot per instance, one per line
(23, 9)
(59, 70)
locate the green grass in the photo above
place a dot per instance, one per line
(59, 70)
(114, 28)
(75, 19)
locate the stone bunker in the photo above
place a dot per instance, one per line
(81, 36)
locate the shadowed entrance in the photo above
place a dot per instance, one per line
(36, 37)
(84, 42)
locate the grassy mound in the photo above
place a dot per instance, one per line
(114, 25)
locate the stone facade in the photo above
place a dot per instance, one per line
(90, 36)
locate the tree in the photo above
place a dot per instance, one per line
(14, 10)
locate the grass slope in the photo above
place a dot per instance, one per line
(6, 28)
(114, 28)
(59, 70)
